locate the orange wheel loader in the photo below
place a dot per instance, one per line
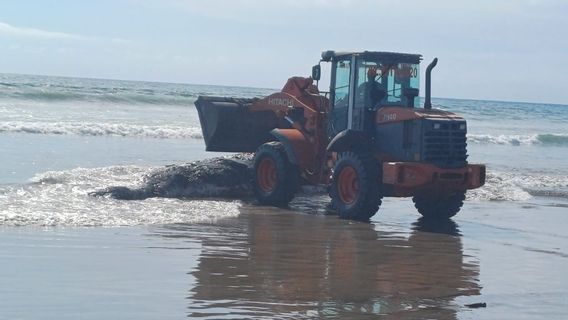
(366, 138)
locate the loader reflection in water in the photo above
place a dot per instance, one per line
(291, 265)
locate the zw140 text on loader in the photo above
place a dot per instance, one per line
(366, 138)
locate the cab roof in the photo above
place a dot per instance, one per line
(331, 55)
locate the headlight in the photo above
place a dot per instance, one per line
(462, 126)
(436, 126)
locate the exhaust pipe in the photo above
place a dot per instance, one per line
(427, 100)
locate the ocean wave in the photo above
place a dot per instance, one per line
(61, 198)
(508, 186)
(38, 89)
(49, 90)
(102, 129)
(548, 139)
(114, 98)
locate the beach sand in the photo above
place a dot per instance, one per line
(295, 263)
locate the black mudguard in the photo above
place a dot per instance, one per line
(288, 146)
(348, 140)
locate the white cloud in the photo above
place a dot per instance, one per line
(10, 30)
(38, 33)
(261, 12)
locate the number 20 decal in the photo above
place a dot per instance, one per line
(413, 72)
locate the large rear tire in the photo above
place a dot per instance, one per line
(441, 207)
(355, 186)
(275, 179)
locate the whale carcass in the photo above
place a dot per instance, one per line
(227, 177)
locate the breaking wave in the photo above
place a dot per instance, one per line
(518, 140)
(45, 89)
(108, 91)
(507, 186)
(62, 199)
(115, 98)
(184, 132)
(102, 129)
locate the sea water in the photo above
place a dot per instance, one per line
(62, 138)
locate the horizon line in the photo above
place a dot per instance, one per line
(252, 87)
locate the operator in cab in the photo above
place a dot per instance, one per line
(372, 90)
(370, 94)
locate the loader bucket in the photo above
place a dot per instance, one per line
(228, 126)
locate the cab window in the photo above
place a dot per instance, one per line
(399, 77)
(342, 78)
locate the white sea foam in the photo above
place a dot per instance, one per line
(62, 198)
(507, 186)
(170, 131)
(102, 129)
(520, 140)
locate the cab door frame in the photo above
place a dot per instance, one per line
(351, 87)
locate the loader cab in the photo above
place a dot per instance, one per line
(363, 82)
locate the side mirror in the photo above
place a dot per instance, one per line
(316, 72)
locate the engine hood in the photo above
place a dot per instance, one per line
(398, 114)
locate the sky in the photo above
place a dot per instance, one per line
(513, 50)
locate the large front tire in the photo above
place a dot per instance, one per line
(275, 179)
(441, 207)
(355, 186)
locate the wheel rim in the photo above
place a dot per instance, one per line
(348, 185)
(267, 175)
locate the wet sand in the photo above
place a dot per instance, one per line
(295, 264)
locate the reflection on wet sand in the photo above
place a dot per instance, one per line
(291, 265)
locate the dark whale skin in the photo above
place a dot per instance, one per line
(226, 177)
